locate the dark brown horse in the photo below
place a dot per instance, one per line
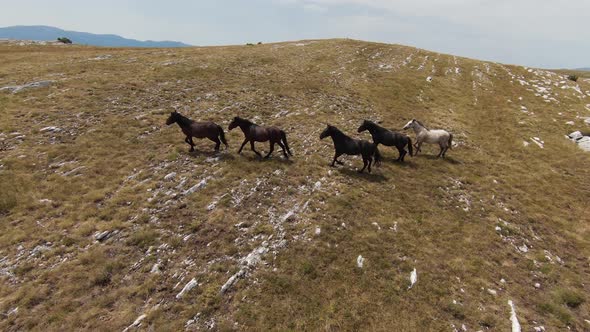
(388, 137)
(350, 146)
(191, 129)
(256, 133)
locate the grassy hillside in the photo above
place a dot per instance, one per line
(504, 217)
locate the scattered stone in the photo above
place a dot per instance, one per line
(318, 231)
(170, 176)
(232, 280)
(51, 129)
(156, 268)
(190, 285)
(360, 260)
(429, 79)
(492, 292)
(413, 278)
(32, 85)
(539, 328)
(537, 285)
(101, 57)
(136, 323)
(103, 236)
(513, 318)
(376, 225)
(196, 187)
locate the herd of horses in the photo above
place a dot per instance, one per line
(343, 144)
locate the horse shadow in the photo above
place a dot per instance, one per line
(221, 154)
(447, 159)
(371, 177)
(406, 164)
(271, 159)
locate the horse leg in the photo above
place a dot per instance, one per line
(217, 142)
(365, 162)
(370, 162)
(189, 141)
(441, 150)
(336, 155)
(252, 147)
(401, 151)
(241, 147)
(284, 151)
(272, 148)
(418, 147)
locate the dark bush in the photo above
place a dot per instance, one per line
(64, 40)
(573, 78)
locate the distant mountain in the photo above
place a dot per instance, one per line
(39, 32)
(583, 69)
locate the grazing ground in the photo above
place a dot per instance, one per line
(107, 222)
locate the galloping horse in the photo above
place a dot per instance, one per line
(350, 146)
(192, 129)
(388, 137)
(443, 138)
(256, 133)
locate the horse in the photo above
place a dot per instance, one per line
(255, 133)
(425, 135)
(191, 129)
(350, 146)
(388, 137)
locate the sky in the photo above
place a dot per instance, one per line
(536, 33)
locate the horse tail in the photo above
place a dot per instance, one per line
(410, 147)
(222, 135)
(450, 141)
(377, 156)
(284, 138)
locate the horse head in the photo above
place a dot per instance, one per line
(364, 126)
(234, 123)
(410, 124)
(327, 132)
(172, 118)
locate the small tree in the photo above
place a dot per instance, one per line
(64, 40)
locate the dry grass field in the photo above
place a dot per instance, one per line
(105, 217)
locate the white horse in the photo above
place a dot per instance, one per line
(424, 135)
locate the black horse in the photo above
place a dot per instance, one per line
(350, 146)
(256, 133)
(192, 129)
(388, 137)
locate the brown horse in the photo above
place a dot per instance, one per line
(256, 133)
(191, 129)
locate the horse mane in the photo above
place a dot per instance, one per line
(183, 119)
(420, 123)
(338, 131)
(246, 121)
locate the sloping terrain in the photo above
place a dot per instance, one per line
(109, 223)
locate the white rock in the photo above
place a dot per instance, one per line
(156, 268)
(32, 85)
(429, 79)
(232, 280)
(584, 143)
(539, 328)
(571, 123)
(413, 278)
(537, 285)
(196, 187)
(360, 260)
(170, 176)
(318, 231)
(376, 225)
(190, 285)
(255, 256)
(513, 318)
(136, 323)
(492, 291)
(317, 186)
(575, 135)
(52, 129)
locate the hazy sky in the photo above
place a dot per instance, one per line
(541, 33)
